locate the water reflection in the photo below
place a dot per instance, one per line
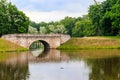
(105, 69)
(57, 66)
(52, 55)
(61, 65)
(14, 67)
(37, 52)
(77, 70)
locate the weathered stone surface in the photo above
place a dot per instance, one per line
(25, 40)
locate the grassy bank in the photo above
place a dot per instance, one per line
(7, 46)
(91, 43)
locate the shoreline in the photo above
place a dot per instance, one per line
(7, 46)
(91, 43)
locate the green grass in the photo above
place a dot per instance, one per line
(7, 46)
(91, 43)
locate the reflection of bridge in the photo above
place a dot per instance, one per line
(52, 55)
(49, 40)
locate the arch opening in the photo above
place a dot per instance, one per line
(39, 47)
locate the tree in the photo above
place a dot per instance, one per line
(11, 19)
(61, 29)
(32, 30)
(4, 18)
(58, 29)
(83, 28)
(43, 30)
(35, 25)
(69, 23)
(42, 24)
(105, 17)
(95, 16)
(114, 15)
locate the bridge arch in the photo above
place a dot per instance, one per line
(45, 44)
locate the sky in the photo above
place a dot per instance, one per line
(53, 10)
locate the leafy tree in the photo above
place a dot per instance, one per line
(4, 18)
(11, 19)
(95, 16)
(69, 23)
(32, 30)
(83, 28)
(114, 15)
(35, 25)
(78, 29)
(42, 24)
(56, 29)
(43, 30)
(105, 17)
(61, 29)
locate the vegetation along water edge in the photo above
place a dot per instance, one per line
(91, 43)
(7, 46)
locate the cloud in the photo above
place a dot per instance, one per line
(50, 16)
(53, 5)
(100, 0)
(53, 10)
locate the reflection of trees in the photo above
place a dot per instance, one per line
(14, 67)
(10, 72)
(105, 69)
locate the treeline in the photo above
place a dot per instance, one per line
(103, 19)
(11, 19)
(77, 27)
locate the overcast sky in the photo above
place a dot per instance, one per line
(53, 10)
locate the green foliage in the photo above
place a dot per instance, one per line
(11, 19)
(91, 43)
(56, 29)
(83, 28)
(69, 23)
(79, 27)
(106, 17)
(51, 27)
(37, 25)
(43, 30)
(8, 46)
(32, 30)
(94, 14)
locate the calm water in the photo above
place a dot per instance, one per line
(61, 65)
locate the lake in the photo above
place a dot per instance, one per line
(101, 64)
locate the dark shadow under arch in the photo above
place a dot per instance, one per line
(46, 45)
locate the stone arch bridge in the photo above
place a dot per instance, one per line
(48, 40)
